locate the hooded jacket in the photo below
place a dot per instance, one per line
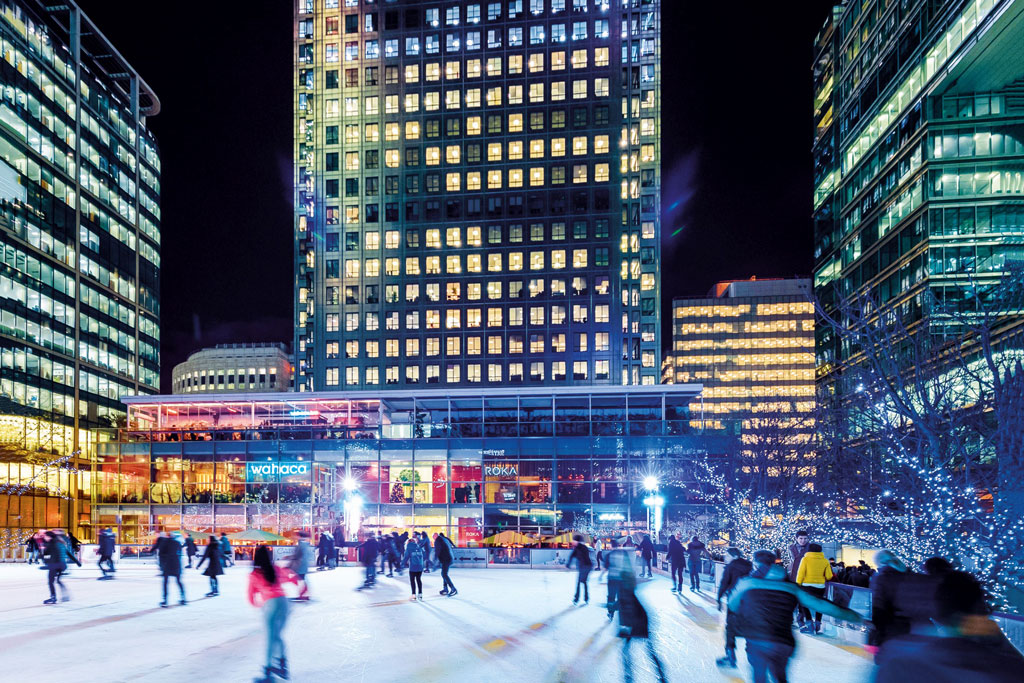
(814, 570)
(734, 571)
(676, 553)
(765, 600)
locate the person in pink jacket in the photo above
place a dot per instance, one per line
(266, 591)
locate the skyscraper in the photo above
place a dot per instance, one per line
(919, 155)
(476, 192)
(750, 343)
(80, 245)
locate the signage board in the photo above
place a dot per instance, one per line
(263, 471)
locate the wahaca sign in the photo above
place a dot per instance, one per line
(259, 470)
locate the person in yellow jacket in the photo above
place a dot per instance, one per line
(813, 573)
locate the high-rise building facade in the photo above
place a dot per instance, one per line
(919, 155)
(750, 343)
(229, 368)
(80, 245)
(477, 192)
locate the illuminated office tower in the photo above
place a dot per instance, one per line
(80, 242)
(751, 344)
(477, 193)
(919, 159)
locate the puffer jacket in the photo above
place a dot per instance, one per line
(814, 570)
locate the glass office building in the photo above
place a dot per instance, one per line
(750, 343)
(465, 462)
(80, 245)
(477, 192)
(919, 156)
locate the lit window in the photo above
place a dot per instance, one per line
(473, 100)
(391, 158)
(515, 123)
(432, 100)
(536, 92)
(433, 265)
(494, 151)
(536, 315)
(494, 178)
(579, 145)
(579, 59)
(473, 68)
(579, 173)
(515, 177)
(433, 156)
(536, 260)
(493, 97)
(474, 263)
(601, 173)
(452, 70)
(515, 260)
(493, 288)
(412, 103)
(537, 176)
(452, 182)
(453, 318)
(579, 313)
(579, 89)
(515, 149)
(473, 125)
(473, 180)
(601, 56)
(515, 94)
(558, 258)
(493, 264)
(412, 130)
(601, 88)
(494, 66)
(412, 265)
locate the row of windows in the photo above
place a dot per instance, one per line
(473, 291)
(431, 16)
(473, 236)
(474, 373)
(496, 345)
(513, 150)
(474, 317)
(556, 259)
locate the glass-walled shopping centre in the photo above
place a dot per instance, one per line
(465, 462)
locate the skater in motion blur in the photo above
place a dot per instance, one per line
(696, 551)
(106, 553)
(368, 551)
(633, 622)
(226, 550)
(813, 573)
(444, 551)
(764, 603)
(412, 559)
(581, 556)
(32, 548)
(737, 568)
(647, 555)
(299, 564)
(168, 554)
(424, 542)
(190, 549)
(212, 557)
(902, 601)
(967, 645)
(677, 560)
(55, 554)
(265, 592)
(616, 561)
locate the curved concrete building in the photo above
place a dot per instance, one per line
(234, 367)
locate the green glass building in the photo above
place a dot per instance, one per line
(477, 193)
(919, 155)
(80, 252)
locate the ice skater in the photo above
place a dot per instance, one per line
(212, 556)
(190, 549)
(696, 551)
(168, 554)
(677, 560)
(445, 554)
(647, 555)
(424, 542)
(106, 553)
(55, 557)
(226, 549)
(581, 555)
(634, 623)
(368, 551)
(265, 592)
(737, 568)
(32, 550)
(299, 564)
(412, 559)
(617, 562)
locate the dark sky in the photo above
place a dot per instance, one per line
(735, 169)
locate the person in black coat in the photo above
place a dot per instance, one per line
(647, 555)
(696, 551)
(737, 568)
(213, 568)
(190, 549)
(168, 553)
(677, 558)
(445, 557)
(581, 555)
(633, 620)
(368, 551)
(106, 553)
(55, 554)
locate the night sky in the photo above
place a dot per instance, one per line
(736, 165)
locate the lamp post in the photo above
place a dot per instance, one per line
(353, 507)
(654, 502)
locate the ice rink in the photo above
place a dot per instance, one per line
(513, 623)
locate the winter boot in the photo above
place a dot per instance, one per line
(281, 670)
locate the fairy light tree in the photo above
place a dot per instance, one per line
(932, 421)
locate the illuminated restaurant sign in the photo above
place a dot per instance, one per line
(510, 470)
(270, 469)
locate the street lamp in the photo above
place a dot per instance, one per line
(654, 503)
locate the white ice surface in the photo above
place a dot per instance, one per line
(513, 625)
